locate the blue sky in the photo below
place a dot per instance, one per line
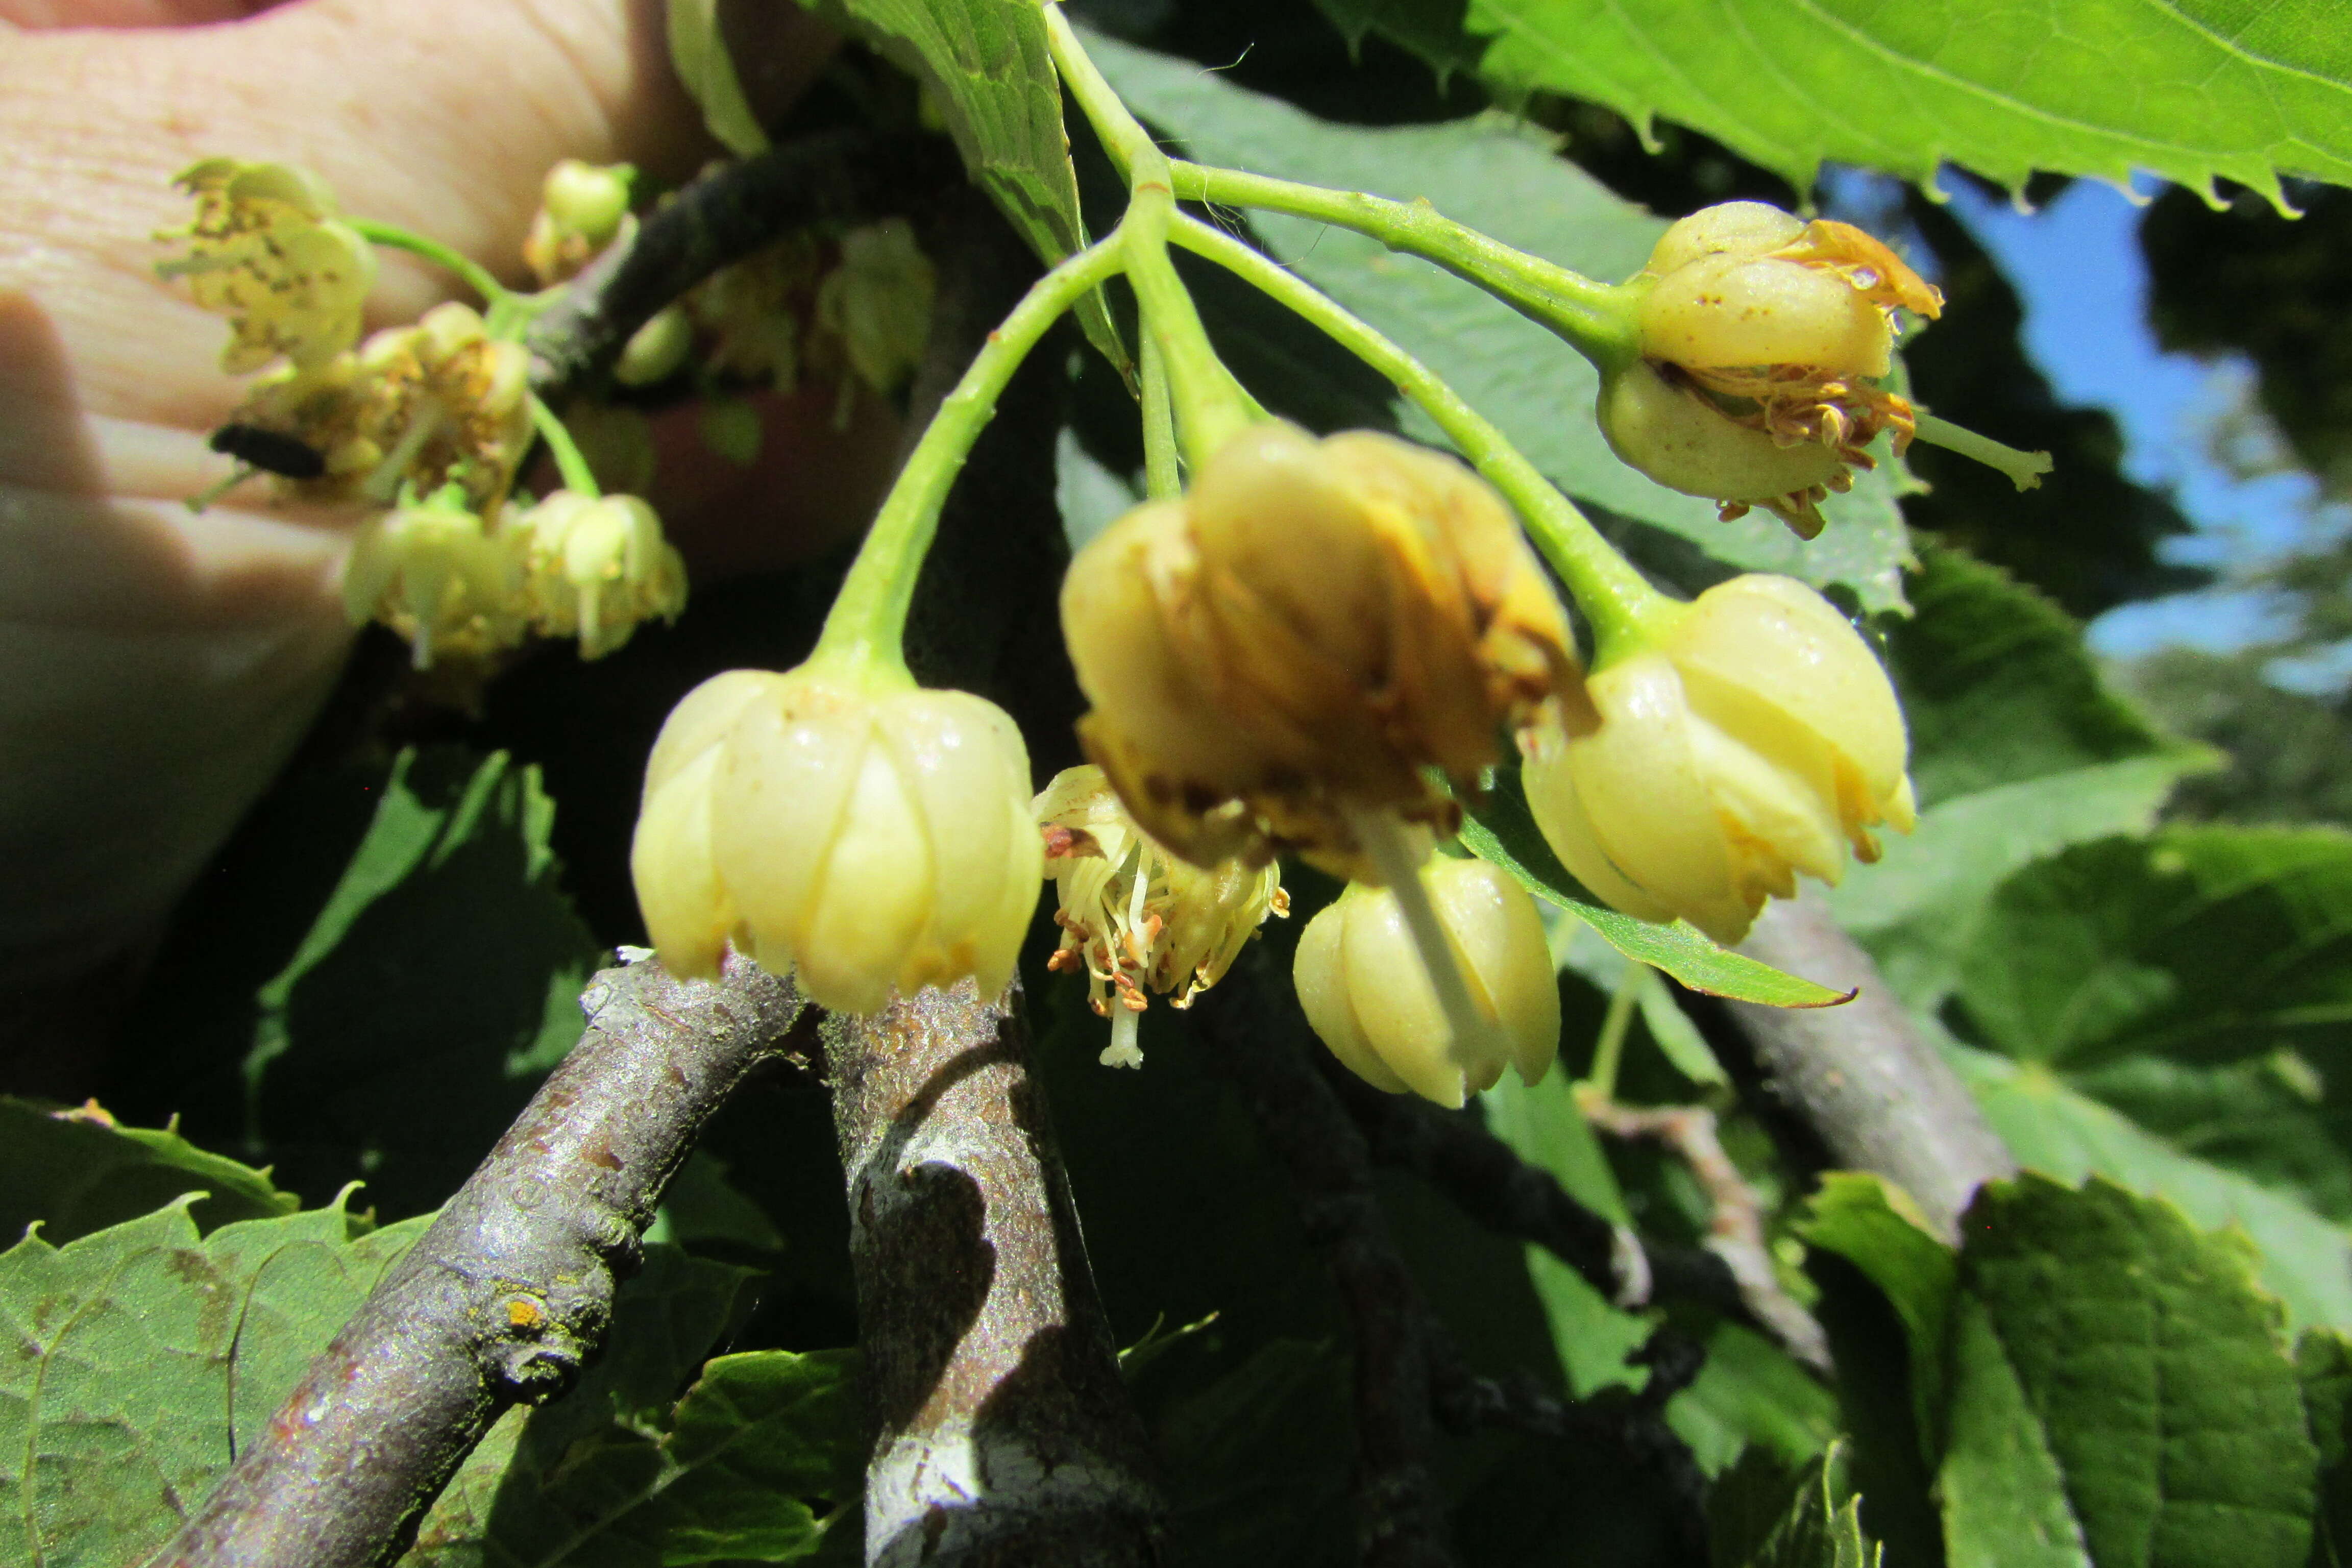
(2076, 263)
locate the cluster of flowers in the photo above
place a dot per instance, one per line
(427, 423)
(1318, 650)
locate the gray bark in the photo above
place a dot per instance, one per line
(1005, 1433)
(509, 1292)
(1861, 1077)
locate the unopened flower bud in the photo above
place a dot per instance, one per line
(656, 349)
(1777, 328)
(432, 573)
(597, 567)
(1755, 738)
(582, 206)
(864, 837)
(267, 251)
(1362, 984)
(1299, 636)
(1135, 917)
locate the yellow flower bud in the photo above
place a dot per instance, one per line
(433, 574)
(1362, 982)
(1135, 917)
(1758, 737)
(582, 206)
(1296, 640)
(267, 251)
(597, 567)
(656, 349)
(864, 837)
(1775, 328)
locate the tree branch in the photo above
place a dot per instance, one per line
(510, 1290)
(1484, 1178)
(1005, 1434)
(840, 176)
(1861, 1077)
(1400, 1516)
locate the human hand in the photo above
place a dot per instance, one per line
(156, 666)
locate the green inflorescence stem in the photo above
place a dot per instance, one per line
(1621, 604)
(867, 625)
(1596, 319)
(478, 277)
(1210, 405)
(573, 468)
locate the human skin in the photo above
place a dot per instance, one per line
(157, 666)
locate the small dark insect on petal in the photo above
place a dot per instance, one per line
(268, 450)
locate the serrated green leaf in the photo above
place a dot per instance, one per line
(697, 52)
(437, 983)
(74, 1175)
(2018, 751)
(1874, 1225)
(2188, 89)
(992, 78)
(1822, 1525)
(1752, 1393)
(2049, 1128)
(2323, 1365)
(1504, 178)
(139, 1357)
(1502, 829)
(2099, 1330)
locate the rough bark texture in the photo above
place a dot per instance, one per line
(1861, 1077)
(835, 176)
(1005, 1434)
(508, 1293)
(1400, 1514)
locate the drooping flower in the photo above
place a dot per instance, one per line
(1290, 645)
(432, 571)
(1754, 738)
(267, 251)
(1134, 916)
(863, 835)
(1779, 329)
(879, 301)
(597, 566)
(1369, 999)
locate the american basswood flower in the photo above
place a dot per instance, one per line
(1762, 340)
(434, 574)
(597, 566)
(879, 301)
(267, 251)
(581, 207)
(1365, 992)
(415, 408)
(1755, 738)
(864, 837)
(1293, 642)
(1135, 917)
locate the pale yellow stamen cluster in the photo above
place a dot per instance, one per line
(1134, 916)
(267, 251)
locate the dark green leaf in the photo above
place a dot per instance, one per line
(1822, 1525)
(2323, 1362)
(75, 1172)
(1876, 1226)
(1504, 179)
(1502, 829)
(992, 77)
(2018, 751)
(139, 1357)
(2117, 1371)
(2188, 89)
(2304, 1261)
